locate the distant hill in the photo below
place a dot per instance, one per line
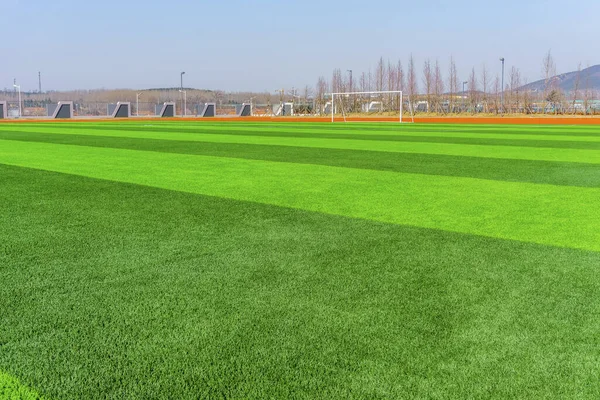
(566, 82)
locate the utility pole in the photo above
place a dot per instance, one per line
(502, 88)
(40, 81)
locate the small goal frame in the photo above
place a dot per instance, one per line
(380, 92)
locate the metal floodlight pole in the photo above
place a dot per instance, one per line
(502, 88)
(137, 104)
(19, 88)
(464, 93)
(181, 88)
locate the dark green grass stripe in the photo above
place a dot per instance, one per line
(555, 173)
(148, 293)
(384, 128)
(373, 137)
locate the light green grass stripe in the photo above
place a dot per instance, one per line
(546, 214)
(482, 151)
(374, 126)
(12, 389)
(404, 130)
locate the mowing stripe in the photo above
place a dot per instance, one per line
(12, 389)
(554, 173)
(362, 128)
(508, 152)
(555, 141)
(146, 293)
(559, 216)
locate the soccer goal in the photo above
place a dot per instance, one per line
(368, 103)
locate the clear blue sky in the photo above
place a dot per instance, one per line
(265, 44)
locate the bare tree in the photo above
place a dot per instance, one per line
(576, 88)
(496, 89)
(337, 82)
(473, 90)
(428, 81)
(412, 79)
(392, 83)
(438, 85)
(452, 83)
(322, 89)
(484, 86)
(515, 83)
(400, 76)
(549, 71)
(307, 93)
(587, 93)
(363, 82)
(380, 75)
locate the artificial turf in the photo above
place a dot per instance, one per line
(166, 261)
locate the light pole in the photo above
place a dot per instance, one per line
(464, 93)
(181, 88)
(137, 104)
(184, 101)
(502, 88)
(19, 88)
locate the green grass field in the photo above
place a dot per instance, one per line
(183, 260)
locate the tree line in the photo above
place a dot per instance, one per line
(432, 89)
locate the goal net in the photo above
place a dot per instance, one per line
(391, 103)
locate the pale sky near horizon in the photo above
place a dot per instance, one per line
(262, 45)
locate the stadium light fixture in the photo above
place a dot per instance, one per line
(19, 88)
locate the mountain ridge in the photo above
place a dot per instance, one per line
(588, 78)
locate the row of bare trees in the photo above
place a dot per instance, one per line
(431, 87)
(442, 92)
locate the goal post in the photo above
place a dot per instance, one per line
(369, 102)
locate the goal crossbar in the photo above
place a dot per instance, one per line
(381, 92)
